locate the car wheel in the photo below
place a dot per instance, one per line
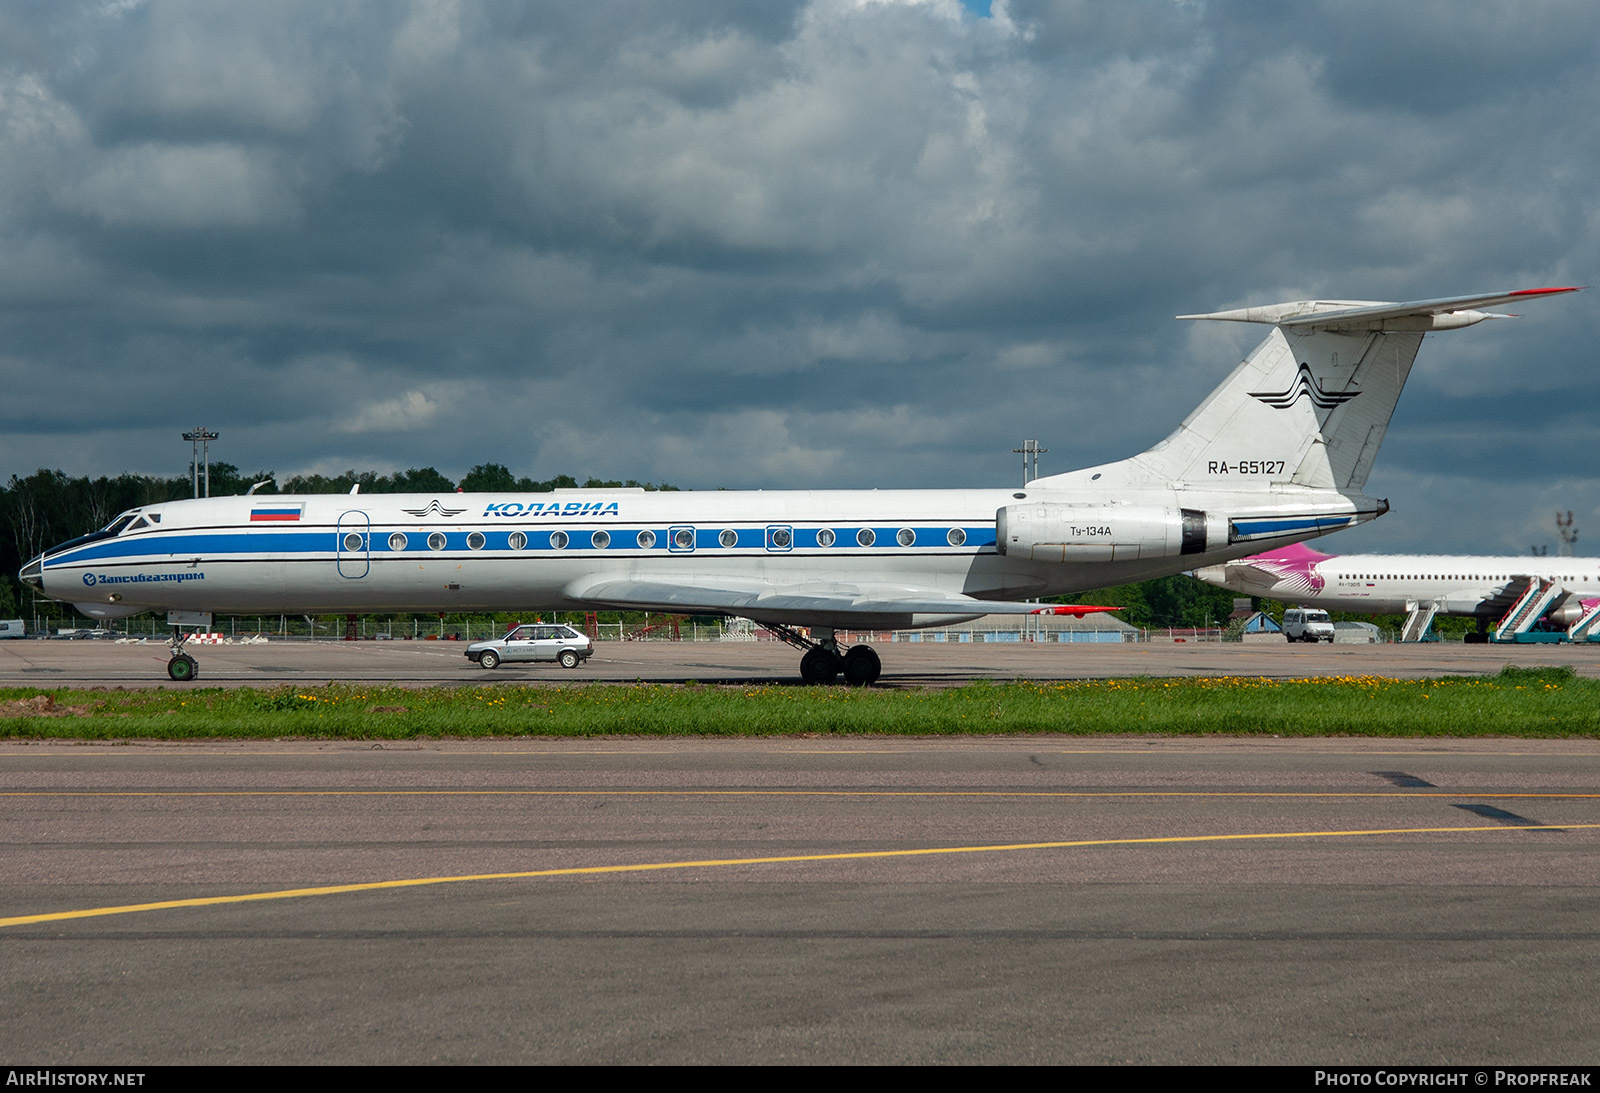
(568, 658)
(489, 659)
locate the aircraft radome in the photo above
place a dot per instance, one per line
(1280, 452)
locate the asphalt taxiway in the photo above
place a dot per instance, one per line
(38, 663)
(974, 900)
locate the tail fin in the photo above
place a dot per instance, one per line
(1310, 405)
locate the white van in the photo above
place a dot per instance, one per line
(12, 628)
(1307, 624)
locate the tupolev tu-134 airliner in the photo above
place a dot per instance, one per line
(1279, 453)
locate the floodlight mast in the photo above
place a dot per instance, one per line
(1030, 452)
(200, 445)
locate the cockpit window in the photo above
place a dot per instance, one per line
(119, 523)
(137, 524)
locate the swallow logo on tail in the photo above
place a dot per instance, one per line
(1305, 384)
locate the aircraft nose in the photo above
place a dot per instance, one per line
(32, 574)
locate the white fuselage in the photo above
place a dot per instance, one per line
(502, 552)
(1392, 584)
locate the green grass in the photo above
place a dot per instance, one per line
(1538, 702)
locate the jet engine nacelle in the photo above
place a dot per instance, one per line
(1098, 533)
(1567, 612)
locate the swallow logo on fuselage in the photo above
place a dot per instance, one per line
(1306, 385)
(433, 509)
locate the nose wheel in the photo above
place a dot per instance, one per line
(182, 668)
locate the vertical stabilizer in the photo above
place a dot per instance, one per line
(1306, 407)
(1310, 405)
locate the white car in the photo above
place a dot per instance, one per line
(1307, 624)
(534, 642)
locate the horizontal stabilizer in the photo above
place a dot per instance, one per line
(1449, 313)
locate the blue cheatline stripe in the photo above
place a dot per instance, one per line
(173, 548)
(1278, 527)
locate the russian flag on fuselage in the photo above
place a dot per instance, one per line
(275, 513)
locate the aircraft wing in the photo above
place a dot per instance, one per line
(1500, 600)
(795, 602)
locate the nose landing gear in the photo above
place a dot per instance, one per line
(183, 668)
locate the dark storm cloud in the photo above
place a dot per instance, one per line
(781, 244)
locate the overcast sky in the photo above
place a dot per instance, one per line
(747, 244)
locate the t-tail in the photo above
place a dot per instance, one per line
(1302, 417)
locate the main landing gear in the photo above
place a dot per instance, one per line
(823, 662)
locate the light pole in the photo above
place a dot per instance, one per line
(1030, 451)
(1568, 533)
(200, 443)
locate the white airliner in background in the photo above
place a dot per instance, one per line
(1278, 453)
(1515, 594)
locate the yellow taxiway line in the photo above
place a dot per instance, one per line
(719, 863)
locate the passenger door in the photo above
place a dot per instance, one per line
(520, 645)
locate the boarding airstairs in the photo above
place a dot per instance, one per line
(1518, 623)
(1586, 628)
(1418, 620)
